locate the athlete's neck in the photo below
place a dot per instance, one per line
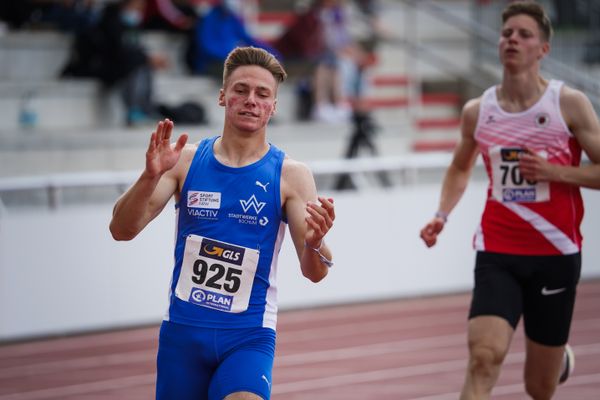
(239, 151)
(518, 92)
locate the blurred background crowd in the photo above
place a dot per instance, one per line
(398, 68)
(316, 44)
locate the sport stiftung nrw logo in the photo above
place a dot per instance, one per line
(252, 203)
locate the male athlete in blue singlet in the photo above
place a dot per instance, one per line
(234, 194)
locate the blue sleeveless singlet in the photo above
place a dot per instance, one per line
(229, 232)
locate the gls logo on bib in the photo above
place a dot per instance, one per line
(222, 252)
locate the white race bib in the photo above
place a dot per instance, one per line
(216, 274)
(508, 183)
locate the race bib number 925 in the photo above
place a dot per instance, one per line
(216, 274)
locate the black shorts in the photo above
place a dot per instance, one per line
(541, 288)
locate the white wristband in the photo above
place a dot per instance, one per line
(317, 250)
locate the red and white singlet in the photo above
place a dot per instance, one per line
(523, 217)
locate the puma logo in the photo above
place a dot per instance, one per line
(262, 186)
(266, 380)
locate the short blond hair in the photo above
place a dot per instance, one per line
(243, 56)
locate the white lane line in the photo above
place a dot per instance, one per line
(455, 321)
(79, 342)
(389, 306)
(574, 380)
(83, 388)
(517, 388)
(392, 306)
(62, 366)
(357, 328)
(403, 372)
(366, 377)
(370, 350)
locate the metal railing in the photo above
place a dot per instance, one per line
(408, 169)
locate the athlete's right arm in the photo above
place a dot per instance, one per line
(147, 197)
(458, 173)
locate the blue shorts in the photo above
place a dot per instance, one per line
(198, 363)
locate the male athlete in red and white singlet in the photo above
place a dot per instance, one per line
(531, 133)
(524, 216)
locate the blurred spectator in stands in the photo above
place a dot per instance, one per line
(218, 32)
(339, 78)
(572, 14)
(303, 40)
(112, 52)
(66, 15)
(72, 15)
(367, 28)
(15, 13)
(302, 45)
(320, 39)
(328, 89)
(367, 31)
(170, 15)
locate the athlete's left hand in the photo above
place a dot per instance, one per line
(535, 167)
(319, 220)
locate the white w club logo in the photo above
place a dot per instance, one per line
(252, 202)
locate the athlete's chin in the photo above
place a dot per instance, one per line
(251, 125)
(249, 128)
(511, 65)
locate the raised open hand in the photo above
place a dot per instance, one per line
(161, 156)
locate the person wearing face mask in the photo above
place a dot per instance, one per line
(112, 51)
(531, 133)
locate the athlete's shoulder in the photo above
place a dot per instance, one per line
(297, 180)
(185, 160)
(470, 111)
(472, 105)
(575, 106)
(293, 170)
(578, 113)
(188, 152)
(572, 97)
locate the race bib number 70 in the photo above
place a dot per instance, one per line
(216, 274)
(508, 183)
